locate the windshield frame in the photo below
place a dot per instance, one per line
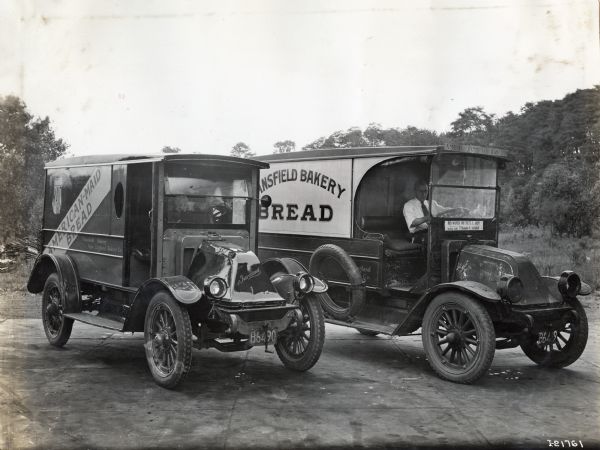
(433, 185)
(250, 199)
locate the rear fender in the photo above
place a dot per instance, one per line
(478, 290)
(179, 286)
(64, 267)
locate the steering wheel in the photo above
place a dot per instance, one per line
(451, 211)
(219, 213)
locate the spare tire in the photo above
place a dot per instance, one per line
(331, 263)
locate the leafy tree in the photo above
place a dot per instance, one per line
(567, 198)
(375, 136)
(476, 125)
(241, 150)
(284, 146)
(26, 144)
(167, 149)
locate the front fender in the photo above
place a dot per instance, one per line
(179, 286)
(477, 290)
(289, 266)
(63, 265)
(552, 283)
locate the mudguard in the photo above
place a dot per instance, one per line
(479, 290)
(179, 286)
(414, 317)
(288, 266)
(552, 283)
(63, 265)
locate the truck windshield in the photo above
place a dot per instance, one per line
(207, 195)
(463, 187)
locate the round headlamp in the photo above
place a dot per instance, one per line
(215, 287)
(569, 284)
(304, 282)
(511, 288)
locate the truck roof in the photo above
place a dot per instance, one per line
(138, 158)
(369, 152)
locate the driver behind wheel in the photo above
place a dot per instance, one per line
(416, 212)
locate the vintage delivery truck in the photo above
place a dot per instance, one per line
(167, 245)
(344, 213)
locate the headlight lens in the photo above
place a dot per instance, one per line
(304, 282)
(569, 284)
(215, 287)
(511, 288)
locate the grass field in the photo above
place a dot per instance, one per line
(552, 255)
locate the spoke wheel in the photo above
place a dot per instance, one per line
(299, 346)
(563, 346)
(56, 326)
(168, 340)
(458, 336)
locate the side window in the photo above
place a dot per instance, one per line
(118, 200)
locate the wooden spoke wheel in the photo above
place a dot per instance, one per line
(56, 326)
(168, 340)
(458, 336)
(299, 346)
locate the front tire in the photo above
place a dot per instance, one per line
(459, 338)
(56, 326)
(167, 340)
(299, 346)
(570, 341)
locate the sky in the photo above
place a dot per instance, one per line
(135, 76)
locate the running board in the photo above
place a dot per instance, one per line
(98, 321)
(369, 326)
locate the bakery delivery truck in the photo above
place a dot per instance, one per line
(340, 212)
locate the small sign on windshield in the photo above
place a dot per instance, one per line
(463, 225)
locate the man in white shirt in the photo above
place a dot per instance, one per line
(416, 212)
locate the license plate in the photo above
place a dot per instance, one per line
(259, 337)
(463, 225)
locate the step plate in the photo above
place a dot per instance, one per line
(98, 321)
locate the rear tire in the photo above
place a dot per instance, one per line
(296, 349)
(167, 340)
(459, 338)
(331, 262)
(56, 326)
(570, 341)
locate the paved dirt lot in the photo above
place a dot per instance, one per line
(97, 393)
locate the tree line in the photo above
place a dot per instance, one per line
(553, 178)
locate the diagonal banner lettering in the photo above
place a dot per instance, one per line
(82, 209)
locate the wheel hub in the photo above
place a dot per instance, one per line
(161, 339)
(52, 309)
(455, 338)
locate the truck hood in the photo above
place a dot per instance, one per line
(487, 265)
(246, 279)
